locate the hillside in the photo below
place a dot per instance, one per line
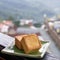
(24, 9)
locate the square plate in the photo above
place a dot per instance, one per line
(15, 51)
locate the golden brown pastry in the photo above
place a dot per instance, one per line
(30, 43)
(18, 41)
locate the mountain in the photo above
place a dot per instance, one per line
(28, 9)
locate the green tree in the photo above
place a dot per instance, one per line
(11, 18)
(1, 19)
(17, 23)
(37, 24)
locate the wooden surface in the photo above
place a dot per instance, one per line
(46, 57)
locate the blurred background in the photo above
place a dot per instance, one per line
(28, 16)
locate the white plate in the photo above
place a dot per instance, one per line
(39, 54)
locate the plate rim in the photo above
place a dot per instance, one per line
(25, 55)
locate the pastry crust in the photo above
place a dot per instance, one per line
(30, 43)
(18, 41)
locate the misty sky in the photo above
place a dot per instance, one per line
(49, 3)
(54, 4)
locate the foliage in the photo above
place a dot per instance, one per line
(37, 24)
(11, 18)
(17, 23)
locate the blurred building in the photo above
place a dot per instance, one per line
(26, 22)
(7, 27)
(8, 22)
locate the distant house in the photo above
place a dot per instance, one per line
(26, 22)
(8, 22)
(1, 25)
(4, 28)
(7, 27)
(24, 30)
